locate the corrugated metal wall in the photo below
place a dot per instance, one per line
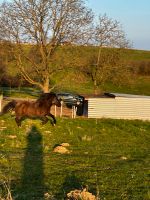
(119, 108)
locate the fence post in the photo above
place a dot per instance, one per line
(61, 108)
(74, 111)
(55, 110)
(1, 98)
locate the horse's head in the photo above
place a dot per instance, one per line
(50, 98)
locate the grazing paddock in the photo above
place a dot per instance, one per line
(110, 156)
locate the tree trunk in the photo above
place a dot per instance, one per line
(46, 88)
(95, 87)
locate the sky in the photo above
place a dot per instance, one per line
(133, 15)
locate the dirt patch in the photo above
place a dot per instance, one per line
(62, 148)
(80, 194)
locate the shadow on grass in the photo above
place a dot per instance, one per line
(32, 180)
(71, 182)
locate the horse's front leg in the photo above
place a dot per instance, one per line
(54, 120)
(44, 120)
(18, 120)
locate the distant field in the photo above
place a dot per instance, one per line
(141, 86)
(136, 55)
(83, 85)
(110, 156)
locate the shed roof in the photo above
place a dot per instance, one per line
(113, 95)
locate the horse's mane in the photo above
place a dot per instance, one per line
(45, 97)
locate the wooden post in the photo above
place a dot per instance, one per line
(61, 108)
(55, 110)
(1, 98)
(74, 110)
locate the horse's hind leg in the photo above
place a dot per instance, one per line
(44, 120)
(54, 120)
(18, 121)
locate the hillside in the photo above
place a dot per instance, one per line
(137, 55)
(138, 60)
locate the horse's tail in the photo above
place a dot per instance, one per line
(9, 106)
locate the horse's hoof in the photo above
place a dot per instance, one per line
(53, 124)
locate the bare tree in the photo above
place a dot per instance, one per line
(109, 33)
(43, 25)
(107, 64)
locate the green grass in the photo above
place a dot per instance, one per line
(136, 55)
(23, 92)
(110, 156)
(141, 86)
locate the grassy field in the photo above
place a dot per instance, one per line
(110, 156)
(141, 86)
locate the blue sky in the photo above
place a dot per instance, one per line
(134, 15)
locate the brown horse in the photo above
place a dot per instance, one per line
(33, 109)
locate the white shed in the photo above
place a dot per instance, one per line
(119, 106)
